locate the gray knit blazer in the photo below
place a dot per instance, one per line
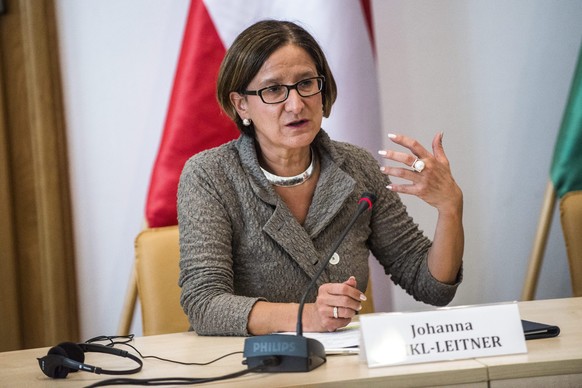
(239, 242)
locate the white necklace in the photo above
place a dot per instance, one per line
(290, 181)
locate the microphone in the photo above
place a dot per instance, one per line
(297, 353)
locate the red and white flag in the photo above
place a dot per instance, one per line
(194, 121)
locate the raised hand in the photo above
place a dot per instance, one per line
(429, 173)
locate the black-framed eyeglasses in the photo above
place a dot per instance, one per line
(278, 93)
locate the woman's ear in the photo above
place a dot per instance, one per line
(240, 104)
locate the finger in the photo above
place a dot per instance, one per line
(351, 282)
(331, 295)
(410, 143)
(403, 173)
(437, 148)
(402, 157)
(361, 297)
(328, 323)
(339, 290)
(347, 303)
(403, 189)
(342, 313)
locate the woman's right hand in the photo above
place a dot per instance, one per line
(343, 296)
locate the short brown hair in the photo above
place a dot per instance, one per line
(252, 48)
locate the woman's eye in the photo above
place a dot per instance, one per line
(306, 84)
(276, 89)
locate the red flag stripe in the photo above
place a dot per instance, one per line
(367, 10)
(194, 121)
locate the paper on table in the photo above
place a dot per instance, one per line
(345, 337)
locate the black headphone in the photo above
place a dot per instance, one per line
(69, 357)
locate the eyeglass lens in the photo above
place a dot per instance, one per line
(279, 93)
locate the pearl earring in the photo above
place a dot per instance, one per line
(246, 122)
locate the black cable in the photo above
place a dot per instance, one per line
(271, 361)
(111, 338)
(182, 362)
(130, 337)
(126, 339)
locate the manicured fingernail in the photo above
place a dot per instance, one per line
(363, 297)
(391, 135)
(389, 187)
(382, 168)
(359, 308)
(382, 152)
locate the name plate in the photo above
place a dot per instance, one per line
(444, 334)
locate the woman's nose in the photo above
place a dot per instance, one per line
(294, 102)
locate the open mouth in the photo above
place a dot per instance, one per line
(297, 123)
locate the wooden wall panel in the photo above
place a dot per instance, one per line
(36, 185)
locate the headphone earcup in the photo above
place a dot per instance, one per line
(73, 351)
(52, 363)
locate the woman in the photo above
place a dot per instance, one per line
(258, 214)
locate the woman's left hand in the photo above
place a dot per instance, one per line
(431, 178)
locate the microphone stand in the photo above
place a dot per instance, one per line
(297, 353)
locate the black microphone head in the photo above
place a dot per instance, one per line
(368, 198)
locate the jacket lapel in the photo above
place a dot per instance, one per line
(284, 229)
(333, 188)
(332, 191)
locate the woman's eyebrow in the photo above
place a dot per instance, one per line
(277, 80)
